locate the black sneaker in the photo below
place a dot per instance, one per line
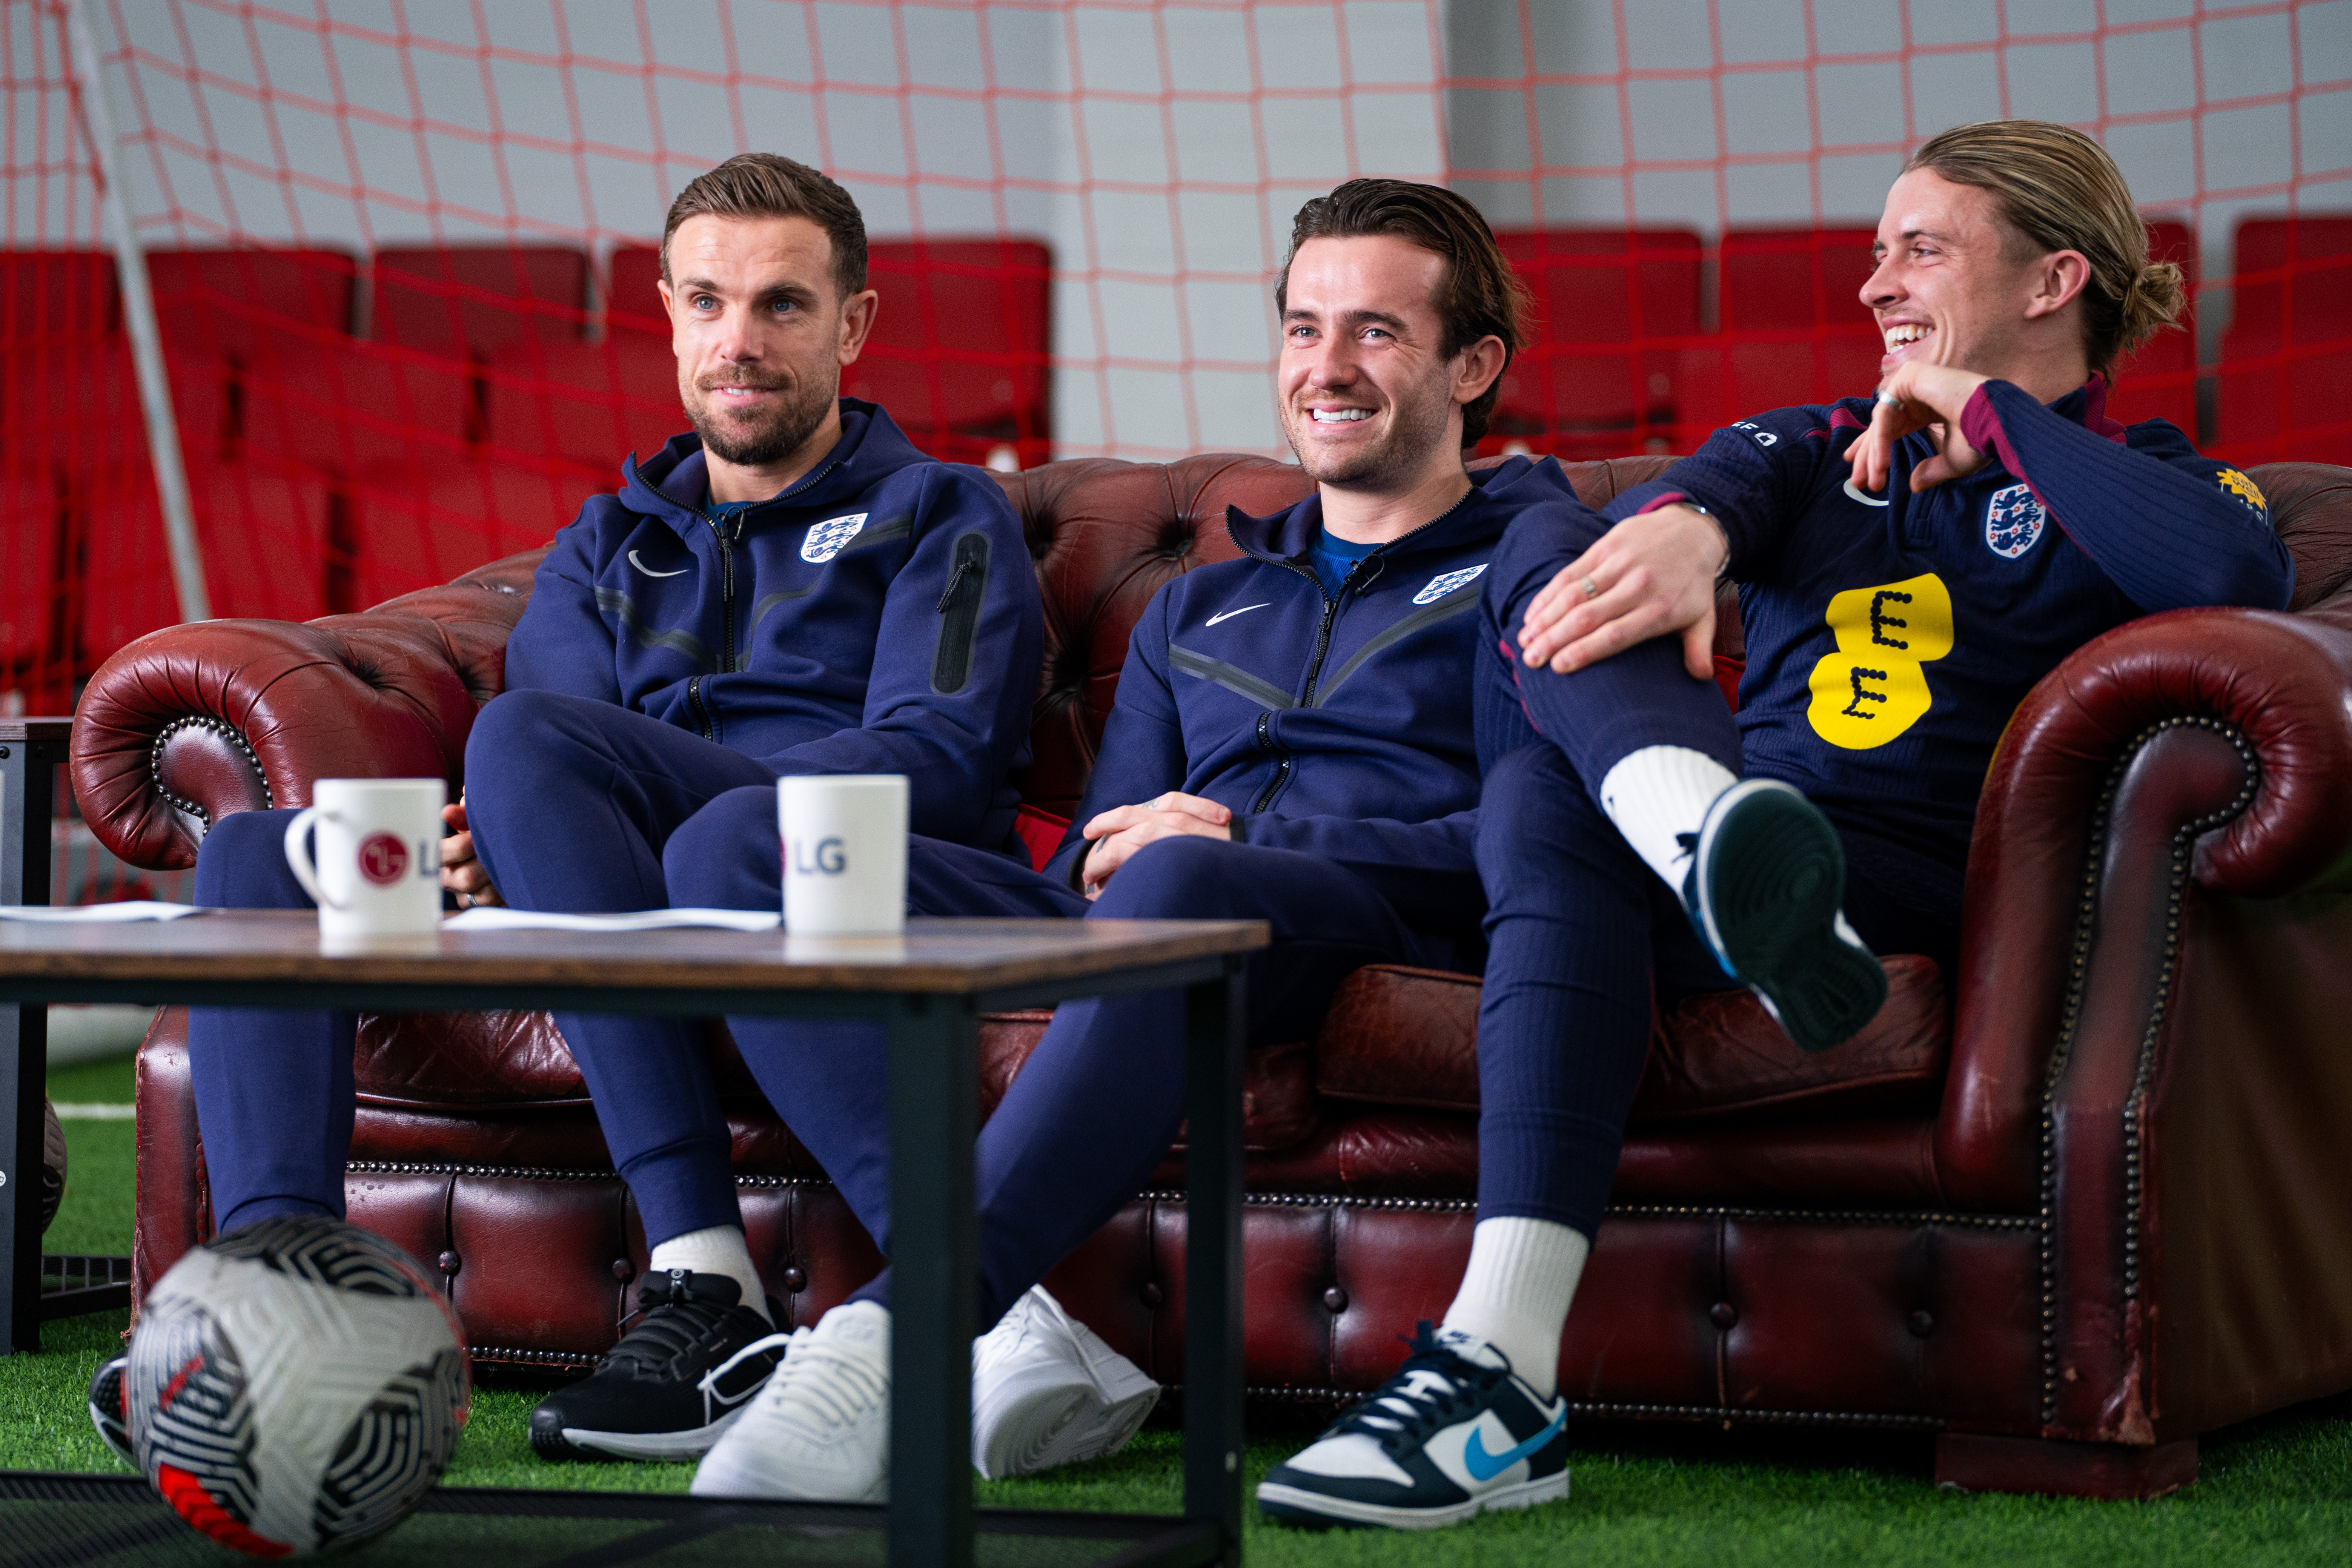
(110, 1408)
(1767, 877)
(676, 1381)
(1452, 1435)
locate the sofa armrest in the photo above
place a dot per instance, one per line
(2206, 746)
(194, 721)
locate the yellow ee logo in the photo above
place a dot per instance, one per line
(1875, 686)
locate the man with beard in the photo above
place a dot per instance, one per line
(791, 589)
(1292, 742)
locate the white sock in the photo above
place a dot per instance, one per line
(716, 1250)
(1657, 797)
(1516, 1293)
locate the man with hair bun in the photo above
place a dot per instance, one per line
(1909, 565)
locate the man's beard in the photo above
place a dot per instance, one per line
(772, 436)
(1417, 427)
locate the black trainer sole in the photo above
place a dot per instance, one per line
(1770, 875)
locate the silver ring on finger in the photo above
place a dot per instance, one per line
(1591, 589)
(1887, 396)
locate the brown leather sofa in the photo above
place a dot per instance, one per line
(2066, 1210)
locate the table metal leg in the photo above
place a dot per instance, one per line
(26, 778)
(934, 1269)
(1213, 1029)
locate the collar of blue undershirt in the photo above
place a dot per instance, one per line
(719, 511)
(1333, 558)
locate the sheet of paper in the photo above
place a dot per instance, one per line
(490, 917)
(97, 914)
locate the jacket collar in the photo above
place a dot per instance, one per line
(675, 482)
(1282, 537)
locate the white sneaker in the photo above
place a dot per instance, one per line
(1046, 1391)
(819, 1430)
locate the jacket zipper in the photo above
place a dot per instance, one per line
(701, 710)
(729, 538)
(1371, 566)
(959, 611)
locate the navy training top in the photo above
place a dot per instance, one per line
(1336, 724)
(1891, 637)
(879, 616)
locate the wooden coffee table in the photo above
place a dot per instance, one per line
(928, 987)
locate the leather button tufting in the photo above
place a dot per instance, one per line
(624, 1271)
(1152, 1295)
(1335, 1298)
(1923, 1323)
(796, 1279)
(1723, 1315)
(449, 1262)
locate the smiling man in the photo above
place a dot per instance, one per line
(1909, 565)
(792, 588)
(1290, 742)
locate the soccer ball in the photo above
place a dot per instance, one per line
(295, 1387)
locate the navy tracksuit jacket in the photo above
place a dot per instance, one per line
(879, 616)
(1889, 639)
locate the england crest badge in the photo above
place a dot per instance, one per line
(1437, 587)
(2014, 522)
(826, 539)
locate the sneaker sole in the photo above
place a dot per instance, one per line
(656, 1448)
(1022, 1437)
(1112, 1430)
(1296, 1505)
(1772, 875)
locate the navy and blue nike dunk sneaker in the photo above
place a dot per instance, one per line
(1452, 1433)
(1767, 878)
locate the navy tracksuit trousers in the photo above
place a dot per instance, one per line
(1581, 933)
(577, 806)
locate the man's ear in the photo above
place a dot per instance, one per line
(1476, 368)
(857, 314)
(2058, 278)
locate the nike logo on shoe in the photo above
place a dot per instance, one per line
(650, 572)
(1229, 615)
(1484, 1467)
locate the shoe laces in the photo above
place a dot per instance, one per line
(675, 1313)
(780, 1340)
(1434, 1388)
(827, 1381)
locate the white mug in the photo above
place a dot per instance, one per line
(844, 846)
(377, 869)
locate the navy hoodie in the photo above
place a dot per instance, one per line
(1891, 637)
(880, 615)
(1337, 726)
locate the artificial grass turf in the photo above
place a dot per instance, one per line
(2278, 1490)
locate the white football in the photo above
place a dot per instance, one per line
(296, 1386)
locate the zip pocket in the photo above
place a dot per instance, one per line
(701, 711)
(960, 614)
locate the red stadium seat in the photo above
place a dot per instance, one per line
(2160, 381)
(1793, 329)
(31, 586)
(414, 531)
(585, 405)
(358, 409)
(473, 301)
(251, 305)
(57, 293)
(960, 354)
(1614, 308)
(263, 536)
(2286, 360)
(71, 403)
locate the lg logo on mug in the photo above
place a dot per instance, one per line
(830, 860)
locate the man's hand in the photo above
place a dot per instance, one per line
(1119, 833)
(1917, 397)
(1649, 576)
(461, 871)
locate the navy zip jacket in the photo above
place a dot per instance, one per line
(880, 615)
(1891, 637)
(1337, 726)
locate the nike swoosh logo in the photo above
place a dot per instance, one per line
(650, 572)
(1229, 615)
(1484, 1467)
(1864, 497)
